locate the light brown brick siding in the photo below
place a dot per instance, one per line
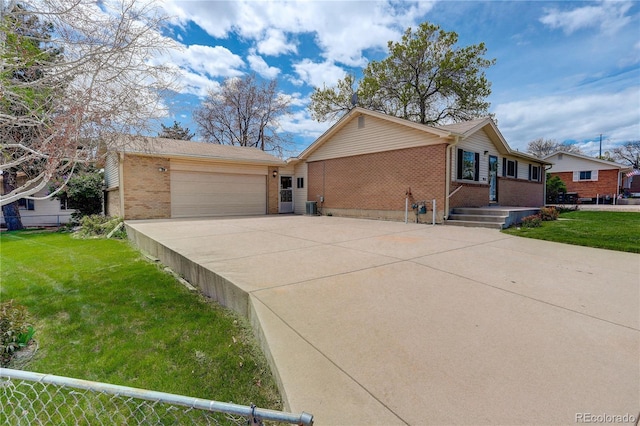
(379, 181)
(273, 191)
(147, 191)
(520, 193)
(112, 202)
(607, 184)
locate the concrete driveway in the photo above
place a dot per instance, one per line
(369, 322)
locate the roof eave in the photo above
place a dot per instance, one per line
(208, 158)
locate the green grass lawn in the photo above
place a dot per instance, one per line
(609, 230)
(104, 313)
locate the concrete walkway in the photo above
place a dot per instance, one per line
(380, 323)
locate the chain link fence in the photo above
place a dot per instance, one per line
(28, 398)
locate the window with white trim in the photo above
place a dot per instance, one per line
(300, 182)
(534, 173)
(585, 176)
(509, 168)
(25, 204)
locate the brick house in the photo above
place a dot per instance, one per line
(368, 164)
(156, 178)
(586, 177)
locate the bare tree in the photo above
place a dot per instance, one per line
(244, 112)
(81, 78)
(628, 153)
(542, 147)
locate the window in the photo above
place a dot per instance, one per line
(63, 203)
(534, 173)
(25, 204)
(468, 165)
(509, 168)
(300, 182)
(585, 175)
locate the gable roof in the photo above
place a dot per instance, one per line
(449, 132)
(613, 164)
(467, 128)
(358, 111)
(151, 146)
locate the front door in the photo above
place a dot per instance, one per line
(286, 194)
(493, 179)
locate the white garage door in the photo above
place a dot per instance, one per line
(196, 194)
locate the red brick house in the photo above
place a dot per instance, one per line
(588, 178)
(369, 163)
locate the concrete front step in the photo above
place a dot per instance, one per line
(479, 218)
(489, 217)
(474, 224)
(489, 211)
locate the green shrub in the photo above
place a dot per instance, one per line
(567, 209)
(15, 330)
(98, 226)
(532, 221)
(549, 213)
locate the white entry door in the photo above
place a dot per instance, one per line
(286, 194)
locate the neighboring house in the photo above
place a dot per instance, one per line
(370, 164)
(155, 178)
(588, 178)
(49, 212)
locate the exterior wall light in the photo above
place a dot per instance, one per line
(162, 169)
(275, 173)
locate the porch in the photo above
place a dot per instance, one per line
(496, 217)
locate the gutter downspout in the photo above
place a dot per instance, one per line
(447, 182)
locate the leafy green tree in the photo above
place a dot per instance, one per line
(426, 78)
(176, 132)
(555, 187)
(83, 192)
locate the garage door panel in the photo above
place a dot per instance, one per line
(216, 194)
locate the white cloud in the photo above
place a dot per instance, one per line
(275, 43)
(304, 127)
(258, 64)
(342, 29)
(200, 65)
(609, 16)
(579, 118)
(318, 74)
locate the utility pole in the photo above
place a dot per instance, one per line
(600, 145)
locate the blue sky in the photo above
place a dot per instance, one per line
(565, 70)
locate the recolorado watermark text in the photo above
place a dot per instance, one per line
(606, 418)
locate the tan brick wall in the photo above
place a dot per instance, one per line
(112, 202)
(273, 191)
(520, 193)
(606, 184)
(147, 191)
(379, 181)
